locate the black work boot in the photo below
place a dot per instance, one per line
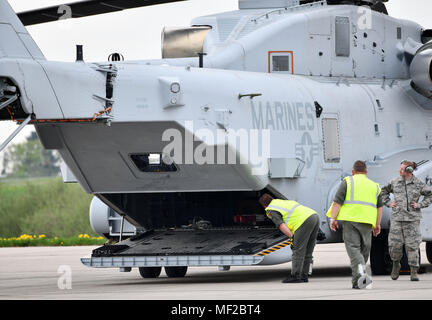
(293, 279)
(305, 277)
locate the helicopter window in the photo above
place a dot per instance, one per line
(342, 37)
(331, 146)
(280, 61)
(152, 162)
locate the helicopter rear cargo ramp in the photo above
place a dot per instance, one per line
(213, 247)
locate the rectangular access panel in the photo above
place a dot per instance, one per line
(342, 35)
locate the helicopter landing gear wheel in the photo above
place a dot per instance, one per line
(176, 272)
(429, 251)
(381, 263)
(150, 272)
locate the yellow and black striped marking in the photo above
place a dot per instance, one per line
(274, 248)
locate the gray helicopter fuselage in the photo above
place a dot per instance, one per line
(325, 90)
(375, 121)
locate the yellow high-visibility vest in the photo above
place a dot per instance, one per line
(293, 213)
(361, 199)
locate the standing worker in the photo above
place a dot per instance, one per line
(358, 203)
(406, 216)
(299, 223)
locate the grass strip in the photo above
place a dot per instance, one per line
(42, 241)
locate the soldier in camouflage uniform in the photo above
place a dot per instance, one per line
(406, 216)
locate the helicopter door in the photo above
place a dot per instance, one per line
(330, 131)
(331, 169)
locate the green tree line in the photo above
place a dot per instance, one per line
(44, 206)
(30, 204)
(29, 159)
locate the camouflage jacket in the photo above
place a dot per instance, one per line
(405, 193)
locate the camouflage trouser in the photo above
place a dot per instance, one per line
(406, 233)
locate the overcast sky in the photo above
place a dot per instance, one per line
(136, 33)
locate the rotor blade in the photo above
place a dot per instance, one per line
(380, 7)
(83, 9)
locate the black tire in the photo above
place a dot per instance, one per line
(176, 272)
(419, 258)
(150, 272)
(429, 251)
(381, 263)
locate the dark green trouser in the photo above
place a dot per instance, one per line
(304, 241)
(358, 241)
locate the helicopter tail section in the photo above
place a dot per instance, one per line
(15, 41)
(25, 89)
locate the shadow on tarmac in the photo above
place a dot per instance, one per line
(239, 276)
(243, 276)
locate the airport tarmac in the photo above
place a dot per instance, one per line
(33, 273)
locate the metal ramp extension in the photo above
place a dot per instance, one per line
(213, 247)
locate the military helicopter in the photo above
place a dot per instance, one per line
(279, 97)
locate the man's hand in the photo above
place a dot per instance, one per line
(334, 213)
(415, 205)
(334, 225)
(376, 231)
(393, 204)
(285, 230)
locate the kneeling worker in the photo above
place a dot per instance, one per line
(358, 203)
(299, 223)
